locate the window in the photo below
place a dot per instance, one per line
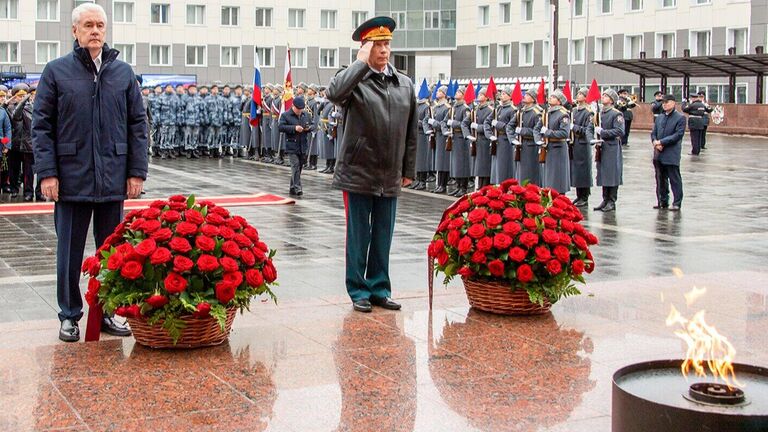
(230, 56)
(159, 55)
(737, 38)
(122, 12)
(665, 4)
(605, 6)
(47, 10)
(263, 17)
(545, 54)
(448, 19)
(578, 8)
(296, 18)
(604, 48)
(701, 2)
(327, 19)
(9, 9)
(526, 12)
(526, 54)
(266, 58)
(700, 43)
(504, 55)
(9, 52)
(576, 53)
(127, 53)
(483, 15)
(196, 14)
(160, 13)
(431, 20)
(358, 17)
(483, 57)
(505, 13)
(665, 42)
(399, 18)
(196, 55)
(634, 5)
(632, 46)
(299, 57)
(401, 62)
(82, 2)
(328, 58)
(230, 16)
(46, 51)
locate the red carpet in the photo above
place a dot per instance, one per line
(225, 201)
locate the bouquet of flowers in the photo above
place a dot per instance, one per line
(522, 235)
(179, 258)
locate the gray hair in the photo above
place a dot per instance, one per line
(87, 7)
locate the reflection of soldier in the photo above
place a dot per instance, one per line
(167, 104)
(266, 124)
(193, 111)
(214, 108)
(205, 122)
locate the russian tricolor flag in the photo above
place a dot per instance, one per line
(256, 101)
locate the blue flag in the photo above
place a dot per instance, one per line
(434, 91)
(451, 90)
(478, 88)
(424, 90)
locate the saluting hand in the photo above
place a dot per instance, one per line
(365, 52)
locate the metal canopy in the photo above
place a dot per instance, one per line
(702, 66)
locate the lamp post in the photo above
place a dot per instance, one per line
(553, 39)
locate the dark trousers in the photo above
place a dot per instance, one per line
(12, 177)
(370, 225)
(72, 220)
(27, 166)
(704, 137)
(610, 193)
(627, 128)
(697, 136)
(666, 176)
(582, 193)
(297, 162)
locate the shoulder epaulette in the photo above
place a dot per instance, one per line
(564, 110)
(537, 109)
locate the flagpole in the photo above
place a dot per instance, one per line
(586, 48)
(570, 42)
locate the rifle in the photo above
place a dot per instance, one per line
(597, 141)
(473, 145)
(431, 137)
(517, 143)
(572, 137)
(543, 149)
(449, 140)
(494, 143)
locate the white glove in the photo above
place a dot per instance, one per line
(452, 123)
(473, 126)
(471, 138)
(598, 130)
(258, 112)
(494, 123)
(518, 130)
(335, 115)
(571, 126)
(447, 134)
(431, 122)
(330, 137)
(493, 138)
(429, 132)
(543, 130)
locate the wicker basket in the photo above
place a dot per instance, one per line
(199, 332)
(498, 298)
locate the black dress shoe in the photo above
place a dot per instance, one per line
(674, 208)
(385, 302)
(69, 331)
(439, 190)
(362, 306)
(580, 203)
(430, 178)
(292, 192)
(28, 198)
(114, 328)
(421, 186)
(660, 206)
(609, 207)
(601, 206)
(299, 193)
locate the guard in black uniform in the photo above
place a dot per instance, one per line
(625, 105)
(697, 119)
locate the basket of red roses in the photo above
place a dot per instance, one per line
(518, 249)
(178, 271)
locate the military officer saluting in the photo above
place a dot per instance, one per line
(483, 111)
(503, 164)
(582, 133)
(524, 126)
(554, 133)
(611, 165)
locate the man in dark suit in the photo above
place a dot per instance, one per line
(296, 125)
(667, 139)
(89, 137)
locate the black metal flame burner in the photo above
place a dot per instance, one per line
(715, 394)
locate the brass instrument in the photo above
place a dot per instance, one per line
(598, 142)
(543, 149)
(518, 141)
(449, 139)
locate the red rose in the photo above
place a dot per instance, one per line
(132, 311)
(231, 248)
(263, 246)
(157, 301)
(209, 230)
(178, 206)
(254, 278)
(443, 258)
(182, 264)
(554, 267)
(91, 266)
(206, 203)
(508, 197)
(242, 240)
(512, 228)
(530, 224)
(207, 263)
(161, 235)
(591, 238)
(496, 267)
(578, 267)
(136, 225)
(151, 213)
(493, 193)
(477, 215)
(234, 278)
(476, 231)
(436, 247)
(528, 239)
(480, 201)
(228, 264)
(259, 255)
(565, 239)
(204, 243)
(178, 198)
(92, 298)
(456, 223)
(203, 310)
(496, 204)
(214, 219)
(175, 283)
(590, 264)
(532, 197)
(161, 255)
(194, 217)
(543, 254)
(463, 206)
(524, 273)
(251, 233)
(502, 241)
(146, 247)
(247, 258)
(270, 272)
(517, 189)
(234, 224)
(509, 183)
(484, 244)
(479, 258)
(125, 249)
(158, 204)
(132, 214)
(567, 225)
(517, 254)
(466, 272)
(180, 244)
(186, 228)
(549, 222)
(465, 245)
(534, 209)
(493, 220)
(171, 216)
(224, 292)
(94, 285)
(115, 261)
(562, 253)
(556, 212)
(580, 242)
(550, 236)
(150, 226)
(226, 232)
(453, 238)
(132, 270)
(221, 211)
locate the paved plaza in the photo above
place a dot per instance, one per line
(312, 364)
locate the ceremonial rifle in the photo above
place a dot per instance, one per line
(543, 149)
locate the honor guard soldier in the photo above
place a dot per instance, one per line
(277, 137)
(611, 164)
(205, 122)
(167, 120)
(582, 134)
(625, 104)
(192, 113)
(460, 155)
(703, 99)
(423, 142)
(216, 116)
(441, 111)
(698, 119)
(313, 109)
(524, 126)
(503, 165)
(244, 137)
(326, 131)
(483, 111)
(554, 133)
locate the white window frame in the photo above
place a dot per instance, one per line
(658, 46)
(522, 11)
(584, 6)
(303, 18)
(303, 58)
(521, 58)
(429, 17)
(693, 45)
(730, 42)
(401, 24)
(508, 6)
(37, 50)
(239, 56)
(601, 11)
(132, 61)
(660, 5)
(500, 60)
(261, 58)
(170, 55)
(627, 50)
(133, 12)
(572, 50)
(186, 17)
(237, 15)
(355, 14)
(478, 57)
(697, 3)
(610, 51)
(264, 17)
(18, 52)
(205, 56)
(629, 9)
(16, 18)
(483, 15)
(335, 58)
(329, 12)
(57, 10)
(544, 53)
(169, 13)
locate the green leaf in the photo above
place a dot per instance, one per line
(191, 201)
(220, 313)
(204, 211)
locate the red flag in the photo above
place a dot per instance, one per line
(541, 93)
(491, 90)
(469, 95)
(567, 91)
(517, 94)
(594, 92)
(287, 84)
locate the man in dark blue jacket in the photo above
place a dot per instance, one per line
(667, 139)
(296, 125)
(89, 135)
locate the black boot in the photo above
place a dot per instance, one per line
(441, 185)
(188, 154)
(195, 154)
(463, 187)
(332, 167)
(431, 177)
(163, 154)
(313, 162)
